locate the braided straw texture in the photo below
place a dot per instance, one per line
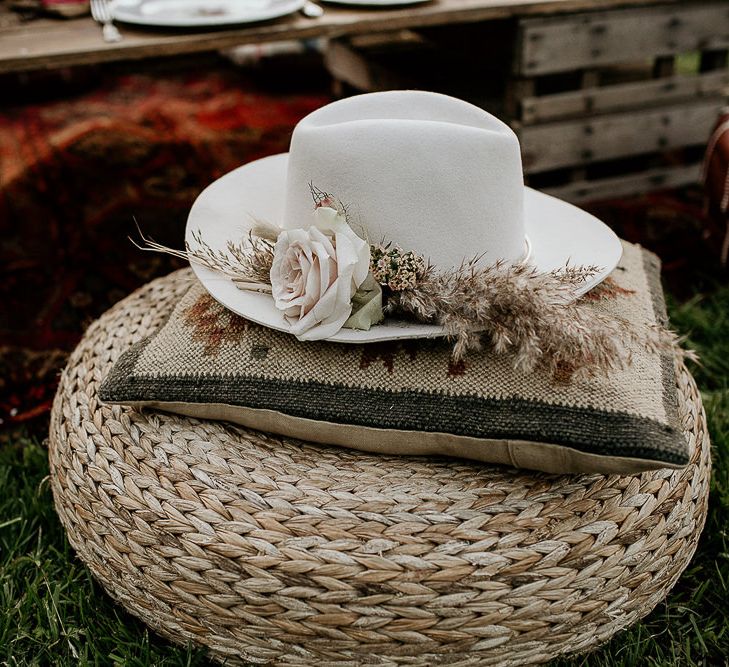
(272, 551)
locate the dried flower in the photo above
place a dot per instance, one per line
(247, 263)
(394, 268)
(324, 199)
(529, 315)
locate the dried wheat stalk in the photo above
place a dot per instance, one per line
(529, 315)
(247, 263)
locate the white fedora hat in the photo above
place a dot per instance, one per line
(428, 172)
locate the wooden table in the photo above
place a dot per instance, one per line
(52, 43)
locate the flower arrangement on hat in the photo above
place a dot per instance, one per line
(325, 277)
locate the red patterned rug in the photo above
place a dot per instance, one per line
(74, 176)
(76, 173)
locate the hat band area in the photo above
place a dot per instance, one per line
(527, 254)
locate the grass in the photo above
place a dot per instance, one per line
(51, 610)
(53, 613)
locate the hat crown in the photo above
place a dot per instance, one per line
(425, 171)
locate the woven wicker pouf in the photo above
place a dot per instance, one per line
(272, 551)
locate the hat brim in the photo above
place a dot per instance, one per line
(559, 234)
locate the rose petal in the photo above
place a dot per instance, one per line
(328, 220)
(324, 249)
(362, 250)
(324, 239)
(347, 258)
(312, 290)
(316, 325)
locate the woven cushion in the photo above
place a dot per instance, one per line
(410, 398)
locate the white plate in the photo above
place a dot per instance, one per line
(201, 13)
(376, 3)
(558, 232)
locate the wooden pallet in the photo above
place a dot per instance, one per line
(581, 90)
(596, 87)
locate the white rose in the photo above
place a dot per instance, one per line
(316, 272)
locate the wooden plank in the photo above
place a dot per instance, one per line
(630, 184)
(52, 43)
(601, 38)
(624, 96)
(573, 143)
(347, 65)
(516, 91)
(385, 39)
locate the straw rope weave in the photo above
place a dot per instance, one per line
(272, 551)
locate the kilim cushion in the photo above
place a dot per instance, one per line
(410, 397)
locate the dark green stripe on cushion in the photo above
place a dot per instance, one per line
(584, 429)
